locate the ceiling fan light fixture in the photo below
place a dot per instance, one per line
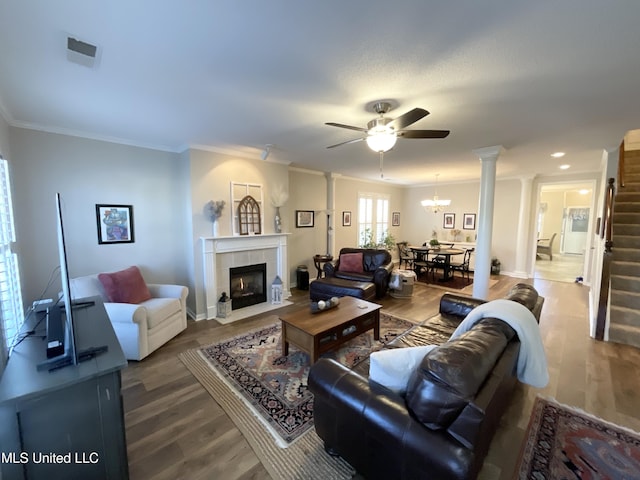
(381, 139)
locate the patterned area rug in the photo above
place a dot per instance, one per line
(566, 443)
(275, 385)
(265, 395)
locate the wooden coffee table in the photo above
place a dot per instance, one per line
(317, 333)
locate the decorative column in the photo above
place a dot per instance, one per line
(488, 158)
(524, 222)
(331, 202)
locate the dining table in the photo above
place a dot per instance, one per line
(421, 253)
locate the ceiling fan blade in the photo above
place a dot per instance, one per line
(408, 118)
(424, 133)
(341, 125)
(346, 143)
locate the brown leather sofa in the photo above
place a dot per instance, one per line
(443, 426)
(376, 267)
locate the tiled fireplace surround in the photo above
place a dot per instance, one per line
(222, 253)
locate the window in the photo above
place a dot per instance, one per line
(373, 219)
(11, 311)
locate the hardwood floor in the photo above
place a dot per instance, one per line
(175, 429)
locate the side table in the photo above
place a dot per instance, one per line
(319, 261)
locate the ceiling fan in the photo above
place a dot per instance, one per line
(381, 133)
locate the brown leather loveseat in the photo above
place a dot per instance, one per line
(358, 272)
(442, 427)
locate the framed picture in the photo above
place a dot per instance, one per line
(469, 221)
(115, 223)
(304, 218)
(449, 220)
(395, 219)
(346, 219)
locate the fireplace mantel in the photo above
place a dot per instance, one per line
(221, 253)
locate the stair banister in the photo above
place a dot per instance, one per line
(607, 234)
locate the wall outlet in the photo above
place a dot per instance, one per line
(42, 305)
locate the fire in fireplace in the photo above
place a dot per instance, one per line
(247, 285)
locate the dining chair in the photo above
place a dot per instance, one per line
(463, 267)
(437, 262)
(405, 255)
(546, 248)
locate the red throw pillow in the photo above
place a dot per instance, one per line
(125, 286)
(351, 262)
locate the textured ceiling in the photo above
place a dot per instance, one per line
(535, 77)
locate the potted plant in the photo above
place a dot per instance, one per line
(434, 243)
(495, 266)
(388, 241)
(367, 241)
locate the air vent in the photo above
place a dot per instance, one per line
(81, 47)
(81, 52)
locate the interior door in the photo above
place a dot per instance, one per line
(576, 225)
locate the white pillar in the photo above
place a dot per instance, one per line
(331, 202)
(524, 216)
(488, 158)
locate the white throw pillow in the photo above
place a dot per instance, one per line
(393, 367)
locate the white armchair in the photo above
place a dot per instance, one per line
(144, 327)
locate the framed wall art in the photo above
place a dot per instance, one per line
(304, 218)
(346, 219)
(469, 221)
(115, 223)
(449, 220)
(395, 219)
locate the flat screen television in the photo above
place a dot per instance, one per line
(62, 349)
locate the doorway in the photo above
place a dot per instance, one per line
(564, 209)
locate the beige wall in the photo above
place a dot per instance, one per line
(464, 199)
(169, 191)
(210, 176)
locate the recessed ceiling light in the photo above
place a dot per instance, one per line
(564, 167)
(557, 154)
(584, 191)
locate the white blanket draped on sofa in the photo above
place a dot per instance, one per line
(532, 360)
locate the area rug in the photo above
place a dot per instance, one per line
(566, 443)
(456, 283)
(267, 398)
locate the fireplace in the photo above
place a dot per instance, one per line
(248, 285)
(219, 254)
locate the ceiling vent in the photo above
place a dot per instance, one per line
(80, 52)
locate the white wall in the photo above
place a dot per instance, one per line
(86, 173)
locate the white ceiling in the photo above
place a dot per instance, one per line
(535, 77)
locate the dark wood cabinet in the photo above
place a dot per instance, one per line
(67, 423)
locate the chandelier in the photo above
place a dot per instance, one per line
(435, 204)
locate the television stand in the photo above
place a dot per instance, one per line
(66, 360)
(76, 410)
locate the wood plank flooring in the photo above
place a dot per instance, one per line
(176, 430)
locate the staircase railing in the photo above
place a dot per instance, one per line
(621, 178)
(607, 235)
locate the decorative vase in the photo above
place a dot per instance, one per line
(278, 223)
(215, 228)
